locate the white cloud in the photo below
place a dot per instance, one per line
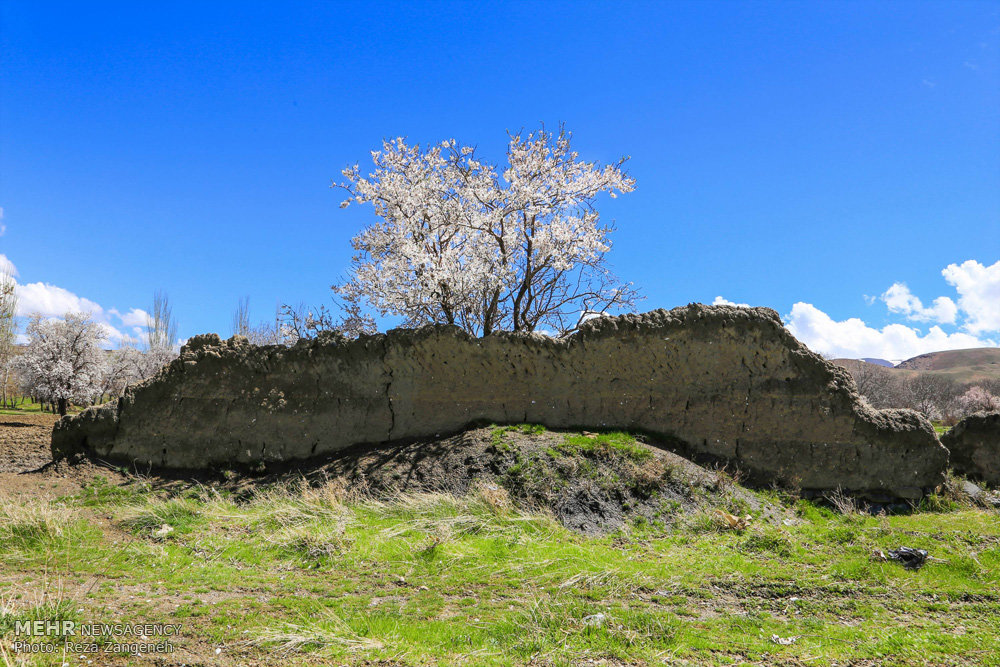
(978, 289)
(138, 336)
(899, 299)
(3, 227)
(52, 301)
(720, 301)
(7, 266)
(136, 317)
(112, 334)
(852, 338)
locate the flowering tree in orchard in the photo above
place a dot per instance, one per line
(8, 331)
(63, 361)
(461, 243)
(128, 366)
(978, 399)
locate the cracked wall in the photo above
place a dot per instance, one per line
(715, 382)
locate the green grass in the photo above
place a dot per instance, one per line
(604, 444)
(26, 405)
(939, 427)
(497, 432)
(306, 575)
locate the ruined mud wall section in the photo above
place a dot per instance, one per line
(724, 382)
(974, 444)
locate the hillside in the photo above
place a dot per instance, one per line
(963, 366)
(976, 363)
(877, 362)
(853, 365)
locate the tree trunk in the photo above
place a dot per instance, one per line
(62, 407)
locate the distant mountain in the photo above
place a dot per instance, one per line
(852, 363)
(942, 361)
(964, 365)
(980, 363)
(878, 362)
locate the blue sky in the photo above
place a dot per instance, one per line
(785, 153)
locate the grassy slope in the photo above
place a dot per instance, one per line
(302, 575)
(984, 360)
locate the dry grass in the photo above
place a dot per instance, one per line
(300, 503)
(314, 542)
(726, 480)
(843, 503)
(484, 511)
(327, 630)
(26, 522)
(493, 496)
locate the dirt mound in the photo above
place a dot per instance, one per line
(591, 482)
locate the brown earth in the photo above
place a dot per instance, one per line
(26, 466)
(980, 362)
(24, 441)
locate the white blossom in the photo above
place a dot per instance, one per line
(63, 361)
(978, 399)
(460, 243)
(128, 366)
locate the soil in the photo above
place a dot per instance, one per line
(26, 466)
(24, 441)
(588, 489)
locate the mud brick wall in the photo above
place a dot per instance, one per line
(974, 444)
(713, 382)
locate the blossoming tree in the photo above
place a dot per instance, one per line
(128, 366)
(63, 361)
(978, 399)
(8, 331)
(459, 242)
